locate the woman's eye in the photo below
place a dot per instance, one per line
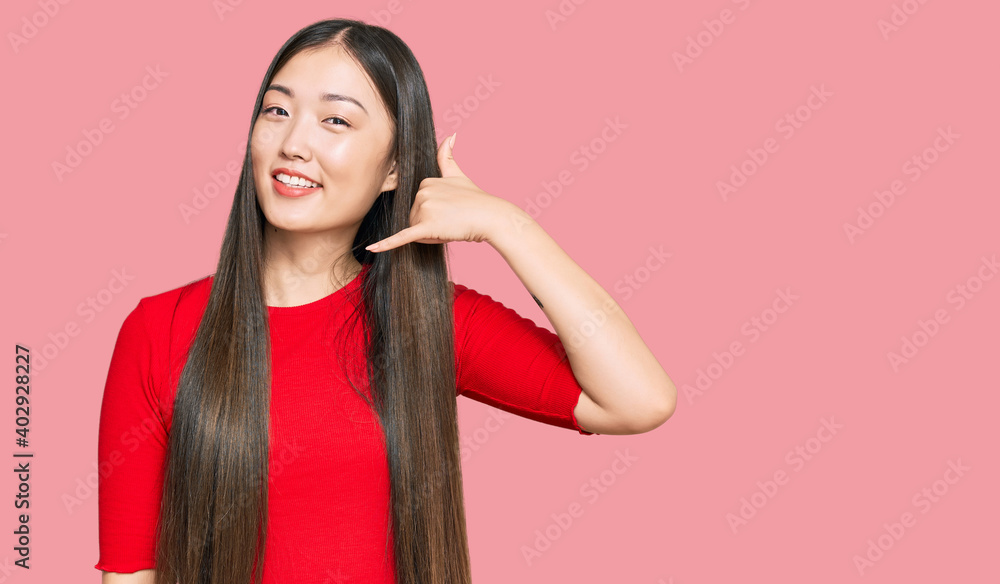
(275, 109)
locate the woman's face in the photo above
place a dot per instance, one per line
(309, 124)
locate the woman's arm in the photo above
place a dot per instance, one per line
(626, 391)
(138, 577)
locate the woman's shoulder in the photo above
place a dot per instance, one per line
(468, 295)
(470, 304)
(186, 301)
(462, 296)
(463, 290)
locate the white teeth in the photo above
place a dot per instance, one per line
(295, 181)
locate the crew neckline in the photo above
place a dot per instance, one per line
(324, 302)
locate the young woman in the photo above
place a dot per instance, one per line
(292, 417)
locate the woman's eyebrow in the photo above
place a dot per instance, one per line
(323, 96)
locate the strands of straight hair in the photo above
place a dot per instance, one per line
(212, 527)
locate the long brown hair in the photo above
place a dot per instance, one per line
(213, 517)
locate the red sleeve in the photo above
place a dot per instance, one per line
(131, 450)
(507, 361)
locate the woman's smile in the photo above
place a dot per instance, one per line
(291, 183)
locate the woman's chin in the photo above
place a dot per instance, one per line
(300, 224)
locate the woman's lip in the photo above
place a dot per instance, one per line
(290, 172)
(289, 191)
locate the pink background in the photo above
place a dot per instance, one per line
(666, 518)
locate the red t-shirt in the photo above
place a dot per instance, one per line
(328, 501)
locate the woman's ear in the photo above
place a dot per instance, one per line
(392, 179)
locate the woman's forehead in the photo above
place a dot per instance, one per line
(330, 69)
(328, 74)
